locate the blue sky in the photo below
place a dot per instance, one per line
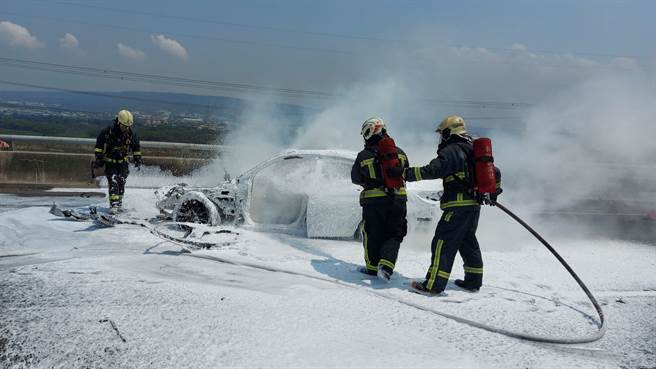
(331, 45)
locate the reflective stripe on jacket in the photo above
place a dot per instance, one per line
(113, 146)
(452, 165)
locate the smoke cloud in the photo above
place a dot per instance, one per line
(592, 140)
(569, 132)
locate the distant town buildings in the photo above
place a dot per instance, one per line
(159, 118)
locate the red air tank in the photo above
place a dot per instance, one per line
(389, 157)
(484, 166)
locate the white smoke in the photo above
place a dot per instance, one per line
(586, 158)
(593, 141)
(412, 92)
(262, 134)
(587, 135)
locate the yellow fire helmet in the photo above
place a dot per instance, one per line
(454, 123)
(125, 118)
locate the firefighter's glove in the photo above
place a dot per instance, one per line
(497, 176)
(98, 163)
(493, 196)
(395, 172)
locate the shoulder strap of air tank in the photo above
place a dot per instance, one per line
(467, 149)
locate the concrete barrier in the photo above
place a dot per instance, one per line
(65, 161)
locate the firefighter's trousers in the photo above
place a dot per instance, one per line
(117, 175)
(385, 226)
(456, 231)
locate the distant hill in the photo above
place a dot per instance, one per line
(221, 108)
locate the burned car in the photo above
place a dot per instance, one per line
(303, 192)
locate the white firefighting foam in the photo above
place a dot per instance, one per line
(64, 283)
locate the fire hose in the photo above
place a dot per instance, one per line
(520, 335)
(603, 326)
(525, 336)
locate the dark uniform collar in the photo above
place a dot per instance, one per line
(116, 131)
(453, 140)
(372, 142)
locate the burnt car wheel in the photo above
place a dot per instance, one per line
(193, 211)
(195, 207)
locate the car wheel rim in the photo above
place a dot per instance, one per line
(193, 211)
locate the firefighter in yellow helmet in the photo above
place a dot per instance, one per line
(383, 198)
(113, 146)
(456, 230)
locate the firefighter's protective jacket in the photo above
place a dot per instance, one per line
(113, 146)
(454, 166)
(368, 173)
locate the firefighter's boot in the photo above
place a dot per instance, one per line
(115, 207)
(383, 274)
(468, 286)
(420, 288)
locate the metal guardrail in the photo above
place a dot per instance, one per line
(64, 161)
(90, 141)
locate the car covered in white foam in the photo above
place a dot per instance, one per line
(304, 192)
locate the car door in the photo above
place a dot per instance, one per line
(276, 200)
(304, 192)
(333, 209)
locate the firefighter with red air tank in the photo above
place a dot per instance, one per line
(465, 169)
(383, 198)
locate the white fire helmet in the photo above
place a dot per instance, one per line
(371, 127)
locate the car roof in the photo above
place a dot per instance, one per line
(345, 155)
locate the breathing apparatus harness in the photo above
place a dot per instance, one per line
(115, 135)
(386, 156)
(481, 176)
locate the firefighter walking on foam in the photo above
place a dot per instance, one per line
(383, 198)
(456, 229)
(113, 145)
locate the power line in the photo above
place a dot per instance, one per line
(185, 35)
(306, 32)
(100, 94)
(88, 93)
(549, 52)
(220, 85)
(4, 104)
(200, 106)
(226, 23)
(333, 51)
(153, 78)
